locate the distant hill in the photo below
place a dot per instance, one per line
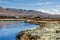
(22, 12)
(19, 11)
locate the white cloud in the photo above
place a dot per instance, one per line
(43, 10)
(51, 11)
(45, 3)
(55, 11)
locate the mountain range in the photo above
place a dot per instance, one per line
(23, 12)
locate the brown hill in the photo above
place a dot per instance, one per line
(21, 12)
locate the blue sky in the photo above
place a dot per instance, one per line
(49, 6)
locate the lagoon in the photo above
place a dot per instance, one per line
(9, 31)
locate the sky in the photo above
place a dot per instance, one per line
(48, 6)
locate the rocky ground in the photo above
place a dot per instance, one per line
(46, 31)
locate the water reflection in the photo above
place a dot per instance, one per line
(8, 32)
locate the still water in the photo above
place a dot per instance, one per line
(8, 32)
